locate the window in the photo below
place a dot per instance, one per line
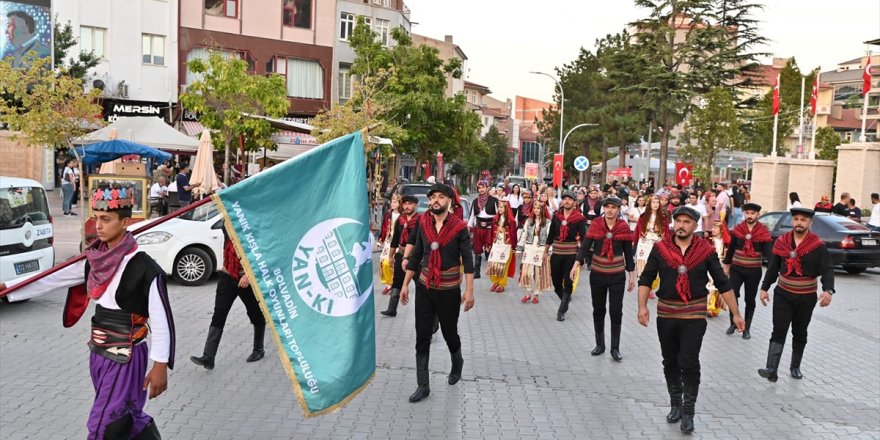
(383, 28)
(153, 49)
(345, 80)
(347, 26)
(305, 78)
(202, 53)
(298, 13)
(222, 8)
(368, 21)
(91, 39)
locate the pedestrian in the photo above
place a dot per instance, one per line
(636, 212)
(68, 187)
(842, 207)
(404, 227)
(853, 211)
(712, 213)
(77, 196)
(568, 227)
(591, 206)
(794, 200)
(504, 236)
(159, 195)
(131, 297)
(184, 190)
(693, 202)
(823, 205)
(684, 264)
(874, 220)
(607, 251)
(652, 227)
(233, 282)
(736, 213)
(535, 275)
(799, 258)
(442, 251)
(386, 262)
(749, 244)
(552, 202)
(480, 222)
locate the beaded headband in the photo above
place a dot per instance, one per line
(108, 199)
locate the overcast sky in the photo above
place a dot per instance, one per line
(505, 39)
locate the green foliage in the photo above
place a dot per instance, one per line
(64, 40)
(826, 143)
(225, 96)
(760, 129)
(498, 159)
(711, 128)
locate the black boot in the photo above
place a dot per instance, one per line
(563, 306)
(773, 356)
(615, 342)
(732, 327)
(424, 390)
(457, 364)
(477, 260)
(797, 353)
(747, 333)
(259, 334)
(211, 345)
(150, 432)
(673, 385)
(599, 330)
(392, 303)
(689, 406)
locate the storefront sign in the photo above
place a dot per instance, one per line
(113, 109)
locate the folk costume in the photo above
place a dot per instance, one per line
(715, 304)
(681, 313)
(439, 258)
(650, 229)
(404, 227)
(608, 252)
(505, 233)
(748, 247)
(480, 221)
(386, 270)
(565, 233)
(131, 298)
(796, 269)
(535, 278)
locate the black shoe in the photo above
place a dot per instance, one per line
(256, 355)
(773, 355)
(477, 262)
(150, 432)
(72, 213)
(730, 330)
(204, 361)
(674, 415)
(258, 352)
(457, 364)
(687, 423)
(422, 378)
(615, 354)
(597, 350)
(393, 300)
(747, 334)
(211, 345)
(560, 316)
(797, 353)
(600, 342)
(796, 373)
(769, 374)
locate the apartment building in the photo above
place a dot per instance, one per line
(447, 51)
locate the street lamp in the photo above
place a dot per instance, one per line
(562, 149)
(561, 105)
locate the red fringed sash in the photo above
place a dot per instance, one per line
(599, 231)
(760, 234)
(451, 227)
(574, 217)
(783, 248)
(696, 254)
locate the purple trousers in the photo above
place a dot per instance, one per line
(118, 411)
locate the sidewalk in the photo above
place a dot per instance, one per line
(67, 230)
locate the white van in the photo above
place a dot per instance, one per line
(26, 233)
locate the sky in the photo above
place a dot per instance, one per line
(506, 39)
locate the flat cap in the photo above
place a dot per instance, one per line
(799, 210)
(442, 188)
(409, 198)
(570, 195)
(688, 211)
(612, 201)
(751, 207)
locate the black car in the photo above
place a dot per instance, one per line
(850, 245)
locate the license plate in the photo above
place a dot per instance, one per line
(27, 267)
(869, 242)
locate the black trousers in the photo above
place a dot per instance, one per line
(560, 272)
(227, 291)
(442, 304)
(399, 273)
(680, 343)
(607, 289)
(751, 278)
(790, 309)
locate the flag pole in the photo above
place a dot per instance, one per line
(815, 116)
(801, 120)
(775, 118)
(862, 137)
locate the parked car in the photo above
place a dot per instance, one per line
(189, 247)
(420, 190)
(851, 245)
(515, 180)
(26, 233)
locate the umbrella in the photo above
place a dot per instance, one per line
(101, 152)
(204, 179)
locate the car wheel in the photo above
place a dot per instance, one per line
(193, 267)
(854, 270)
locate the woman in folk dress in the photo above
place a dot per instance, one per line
(387, 272)
(504, 233)
(720, 238)
(652, 227)
(535, 279)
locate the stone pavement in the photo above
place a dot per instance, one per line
(526, 376)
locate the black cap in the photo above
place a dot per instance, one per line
(751, 207)
(441, 188)
(688, 211)
(409, 198)
(612, 201)
(802, 211)
(569, 194)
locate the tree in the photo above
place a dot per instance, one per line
(79, 65)
(826, 143)
(499, 157)
(226, 97)
(760, 129)
(48, 108)
(711, 128)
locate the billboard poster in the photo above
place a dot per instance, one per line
(26, 29)
(531, 171)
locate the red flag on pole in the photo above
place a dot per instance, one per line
(866, 77)
(683, 173)
(776, 96)
(557, 169)
(814, 97)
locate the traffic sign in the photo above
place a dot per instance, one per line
(581, 163)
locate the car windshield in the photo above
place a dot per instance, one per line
(20, 205)
(415, 190)
(843, 224)
(202, 213)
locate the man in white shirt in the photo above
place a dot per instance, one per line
(693, 203)
(874, 221)
(159, 195)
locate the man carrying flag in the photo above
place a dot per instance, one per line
(442, 248)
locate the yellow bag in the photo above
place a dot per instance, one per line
(714, 304)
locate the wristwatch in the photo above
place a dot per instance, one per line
(831, 292)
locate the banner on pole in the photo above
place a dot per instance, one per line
(531, 171)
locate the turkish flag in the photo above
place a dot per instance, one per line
(683, 173)
(776, 97)
(814, 97)
(558, 160)
(866, 77)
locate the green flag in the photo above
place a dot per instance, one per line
(303, 227)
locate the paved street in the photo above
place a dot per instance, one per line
(526, 376)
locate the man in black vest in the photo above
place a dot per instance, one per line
(480, 222)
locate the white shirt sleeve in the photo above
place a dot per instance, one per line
(160, 331)
(70, 276)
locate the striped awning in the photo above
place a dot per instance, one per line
(192, 128)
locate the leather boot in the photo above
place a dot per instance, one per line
(747, 334)
(599, 330)
(423, 390)
(259, 334)
(615, 342)
(211, 345)
(732, 327)
(457, 364)
(773, 356)
(689, 404)
(673, 385)
(797, 353)
(478, 259)
(563, 306)
(392, 303)
(150, 432)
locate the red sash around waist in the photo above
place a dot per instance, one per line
(798, 285)
(606, 266)
(675, 309)
(740, 259)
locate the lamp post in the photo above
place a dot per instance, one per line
(561, 106)
(562, 151)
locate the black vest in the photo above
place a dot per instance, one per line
(133, 294)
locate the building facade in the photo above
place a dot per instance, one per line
(448, 50)
(527, 140)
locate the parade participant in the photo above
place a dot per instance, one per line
(516, 199)
(799, 258)
(504, 233)
(525, 210)
(635, 213)
(720, 239)
(403, 228)
(568, 226)
(232, 283)
(749, 244)
(442, 249)
(480, 222)
(652, 227)
(608, 252)
(386, 271)
(591, 206)
(131, 298)
(693, 202)
(684, 263)
(535, 278)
